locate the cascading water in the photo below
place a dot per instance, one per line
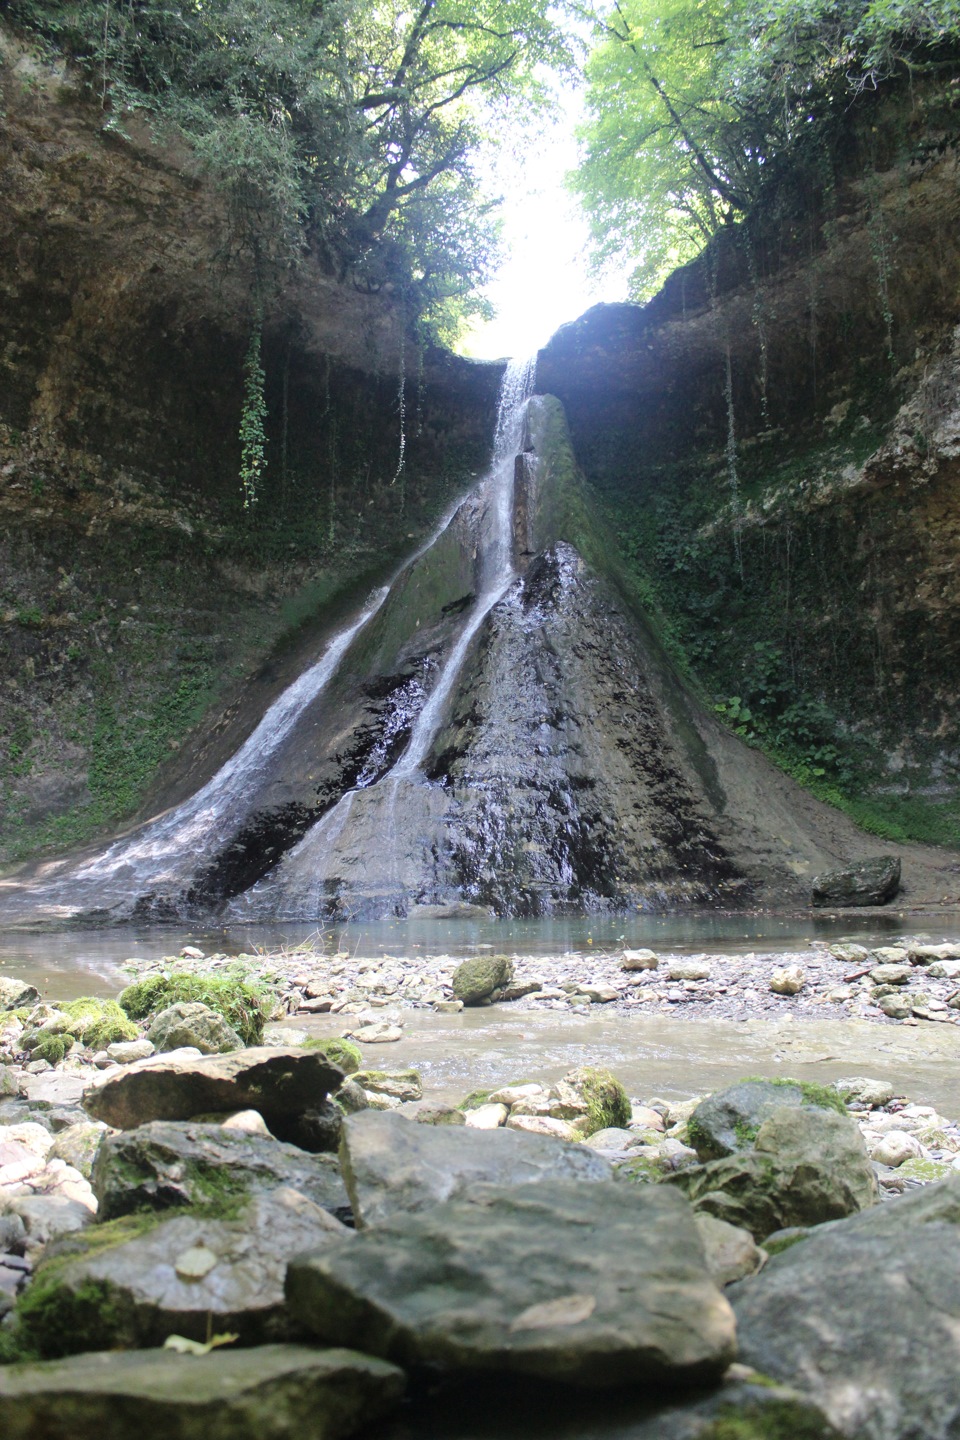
(300, 885)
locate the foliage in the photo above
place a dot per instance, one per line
(347, 127)
(695, 105)
(238, 999)
(253, 422)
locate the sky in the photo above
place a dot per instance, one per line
(545, 279)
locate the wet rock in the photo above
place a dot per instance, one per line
(807, 1166)
(166, 1164)
(639, 960)
(732, 1254)
(476, 979)
(271, 1392)
(132, 1282)
(281, 1084)
(590, 1285)
(16, 994)
(391, 1165)
(189, 1023)
(397, 1085)
(868, 882)
(830, 1314)
(789, 980)
(375, 1032)
(730, 1120)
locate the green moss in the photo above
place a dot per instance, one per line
(15, 1349)
(99, 1023)
(824, 1097)
(775, 1420)
(475, 1099)
(926, 1171)
(608, 1104)
(339, 1052)
(51, 1048)
(776, 1246)
(242, 1002)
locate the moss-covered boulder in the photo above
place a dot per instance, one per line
(607, 1103)
(191, 1023)
(242, 1003)
(132, 1282)
(729, 1120)
(271, 1392)
(15, 994)
(339, 1052)
(475, 980)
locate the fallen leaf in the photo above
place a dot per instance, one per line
(565, 1310)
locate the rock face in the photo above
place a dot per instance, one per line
(588, 1285)
(268, 1393)
(285, 1086)
(124, 1290)
(162, 1165)
(870, 882)
(863, 1315)
(392, 1165)
(806, 1167)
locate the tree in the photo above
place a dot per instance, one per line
(693, 104)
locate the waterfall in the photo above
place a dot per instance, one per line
(296, 887)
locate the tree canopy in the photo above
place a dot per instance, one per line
(349, 125)
(692, 104)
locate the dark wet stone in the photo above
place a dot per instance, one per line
(584, 1284)
(868, 882)
(269, 1393)
(729, 1120)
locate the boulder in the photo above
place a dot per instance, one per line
(17, 994)
(476, 979)
(729, 1120)
(864, 1316)
(285, 1086)
(267, 1393)
(396, 1085)
(789, 980)
(392, 1165)
(166, 1163)
(731, 1253)
(194, 1024)
(639, 960)
(868, 882)
(585, 1284)
(132, 1282)
(807, 1166)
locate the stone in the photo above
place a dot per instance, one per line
(189, 1023)
(127, 1052)
(475, 1285)
(895, 1147)
(867, 882)
(250, 1122)
(895, 1007)
(282, 1085)
(55, 1088)
(597, 994)
(148, 1284)
(891, 974)
(860, 1089)
(849, 954)
(790, 980)
(929, 954)
(391, 1165)
(17, 994)
(399, 1085)
(639, 960)
(164, 1164)
(732, 1254)
(514, 1094)
(807, 1166)
(864, 1315)
(689, 970)
(375, 1032)
(644, 1117)
(476, 979)
(612, 1139)
(729, 1120)
(449, 1007)
(47, 1217)
(546, 1125)
(432, 1112)
(270, 1392)
(78, 1145)
(486, 1117)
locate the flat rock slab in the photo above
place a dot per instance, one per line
(586, 1284)
(281, 1084)
(392, 1165)
(269, 1393)
(169, 1163)
(182, 1276)
(864, 1316)
(55, 1087)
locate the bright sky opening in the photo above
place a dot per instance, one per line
(545, 280)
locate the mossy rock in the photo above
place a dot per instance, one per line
(477, 979)
(339, 1052)
(729, 1121)
(242, 1004)
(608, 1104)
(50, 1047)
(927, 1171)
(99, 1023)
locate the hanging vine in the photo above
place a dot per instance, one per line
(253, 421)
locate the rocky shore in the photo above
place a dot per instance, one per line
(212, 1222)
